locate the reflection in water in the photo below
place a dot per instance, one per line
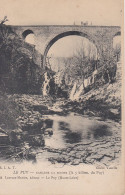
(64, 126)
(74, 129)
(73, 137)
(100, 131)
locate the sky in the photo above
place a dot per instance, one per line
(70, 45)
(45, 12)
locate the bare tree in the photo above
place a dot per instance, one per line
(83, 58)
(4, 20)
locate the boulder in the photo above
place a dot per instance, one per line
(48, 131)
(37, 140)
(15, 136)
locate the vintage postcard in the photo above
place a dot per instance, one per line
(62, 97)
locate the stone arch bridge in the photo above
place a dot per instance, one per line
(47, 35)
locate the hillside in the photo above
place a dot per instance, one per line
(19, 71)
(103, 101)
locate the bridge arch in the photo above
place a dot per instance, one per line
(64, 34)
(117, 34)
(29, 37)
(117, 45)
(26, 33)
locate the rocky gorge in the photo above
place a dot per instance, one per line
(34, 127)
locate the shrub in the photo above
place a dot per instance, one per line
(8, 112)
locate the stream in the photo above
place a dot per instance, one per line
(74, 129)
(69, 138)
(74, 137)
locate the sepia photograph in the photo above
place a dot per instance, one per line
(61, 90)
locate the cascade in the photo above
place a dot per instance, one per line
(78, 93)
(71, 97)
(45, 84)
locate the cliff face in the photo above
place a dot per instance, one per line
(19, 71)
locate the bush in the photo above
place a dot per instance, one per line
(8, 112)
(18, 71)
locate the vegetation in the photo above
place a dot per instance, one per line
(9, 111)
(18, 72)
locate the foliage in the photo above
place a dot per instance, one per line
(108, 67)
(18, 72)
(117, 51)
(8, 112)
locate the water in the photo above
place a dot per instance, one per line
(80, 139)
(74, 129)
(73, 137)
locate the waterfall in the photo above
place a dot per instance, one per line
(45, 84)
(93, 75)
(74, 95)
(71, 97)
(78, 93)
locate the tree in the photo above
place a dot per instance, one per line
(108, 68)
(4, 20)
(82, 63)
